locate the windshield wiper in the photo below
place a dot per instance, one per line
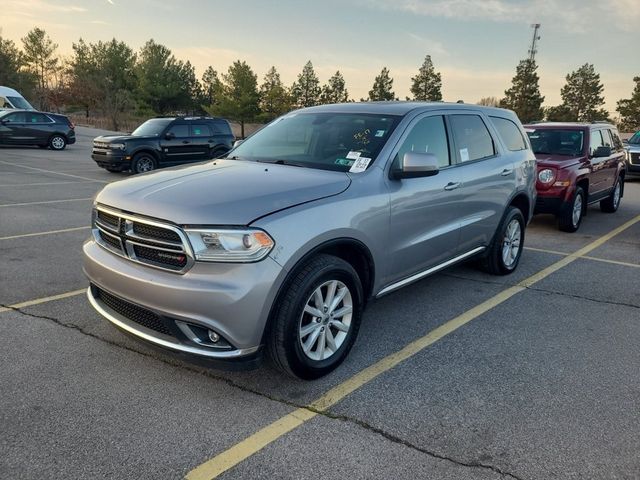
(282, 162)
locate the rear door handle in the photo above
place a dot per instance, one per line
(506, 172)
(452, 185)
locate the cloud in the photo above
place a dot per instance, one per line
(431, 47)
(111, 2)
(99, 22)
(577, 16)
(26, 7)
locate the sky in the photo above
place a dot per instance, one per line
(475, 44)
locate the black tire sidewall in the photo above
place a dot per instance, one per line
(140, 156)
(299, 364)
(566, 219)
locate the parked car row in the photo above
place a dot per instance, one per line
(29, 127)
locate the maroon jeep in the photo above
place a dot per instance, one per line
(578, 164)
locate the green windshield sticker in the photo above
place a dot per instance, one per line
(344, 161)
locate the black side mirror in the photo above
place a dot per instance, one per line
(602, 152)
(169, 135)
(415, 165)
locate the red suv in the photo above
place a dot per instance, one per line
(578, 164)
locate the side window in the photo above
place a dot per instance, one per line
(606, 138)
(510, 133)
(429, 135)
(19, 117)
(472, 139)
(180, 131)
(200, 131)
(616, 140)
(221, 128)
(595, 142)
(37, 118)
(4, 103)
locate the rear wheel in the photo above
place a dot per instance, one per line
(143, 162)
(506, 249)
(57, 142)
(317, 319)
(571, 217)
(612, 202)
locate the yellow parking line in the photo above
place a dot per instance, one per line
(52, 172)
(45, 203)
(241, 451)
(38, 301)
(39, 234)
(585, 257)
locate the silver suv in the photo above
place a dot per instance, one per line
(280, 245)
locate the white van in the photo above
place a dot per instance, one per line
(10, 98)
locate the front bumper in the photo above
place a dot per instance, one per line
(552, 205)
(234, 300)
(633, 168)
(111, 158)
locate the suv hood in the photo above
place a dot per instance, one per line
(221, 192)
(120, 138)
(557, 161)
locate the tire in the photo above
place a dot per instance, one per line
(612, 202)
(506, 248)
(296, 337)
(143, 162)
(113, 170)
(571, 217)
(57, 142)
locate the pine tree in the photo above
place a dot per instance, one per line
(382, 87)
(582, 95)
(240, 99)
(211, 86)
(427, 85)
(489, 102)
(306, 90)
(40, 56)
(629, 109)
(334, 91)
(274, 97)
(524, 95)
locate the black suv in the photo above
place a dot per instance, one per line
(162, 142)
(28, 127)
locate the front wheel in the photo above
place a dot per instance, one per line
(57, 142)
(143, 162)
(571, 216)
(506, 249)
(317, 319)
(612, 202)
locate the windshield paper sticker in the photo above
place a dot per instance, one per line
(464, 155)
(353, 155)
(343, 161)
(360, 165)
(380, 133)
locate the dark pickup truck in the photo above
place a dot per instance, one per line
(578, 164)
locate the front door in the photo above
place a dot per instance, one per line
(176, 145)
(12, 129)
(424, 224)
(202, 141)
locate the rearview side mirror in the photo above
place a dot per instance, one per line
(415, 165)
(169, 135)
(602, 152)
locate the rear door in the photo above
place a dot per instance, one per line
(488, 175)
(38, 128)
(201, 141)
(617, 156)
(598, 178)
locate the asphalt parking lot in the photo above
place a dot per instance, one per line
(462, 375)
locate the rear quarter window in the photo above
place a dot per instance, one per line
(510, 134)
(471, 137)
(221, 128)
(200, 130)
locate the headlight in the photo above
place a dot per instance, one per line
(213, 245)
(117, 146)
(546, 176)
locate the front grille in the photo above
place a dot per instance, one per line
(144, 241)
(133, 312)
(176, 260)
(100, 145)
(155, 232)
(635, 158)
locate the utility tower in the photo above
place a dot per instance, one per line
(534, 42)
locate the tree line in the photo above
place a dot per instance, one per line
(112, 80)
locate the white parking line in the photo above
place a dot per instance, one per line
(52, 172)
(40, 234)
(585, 257)
(45, 203)
(38, 301)
(43, 184)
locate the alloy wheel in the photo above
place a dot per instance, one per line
(511, 243)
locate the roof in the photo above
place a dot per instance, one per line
(9, 91)
(567, 125)
(394, 108)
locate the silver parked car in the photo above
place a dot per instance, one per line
(279, 245)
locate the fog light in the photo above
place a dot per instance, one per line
(213, 336)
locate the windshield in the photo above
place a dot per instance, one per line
(19, 102)
(328, 141)
(635, 140)
(557, 142)
(153, 127)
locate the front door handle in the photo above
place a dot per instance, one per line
(506, 172)
(452, 185)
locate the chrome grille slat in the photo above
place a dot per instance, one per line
(115, 231)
